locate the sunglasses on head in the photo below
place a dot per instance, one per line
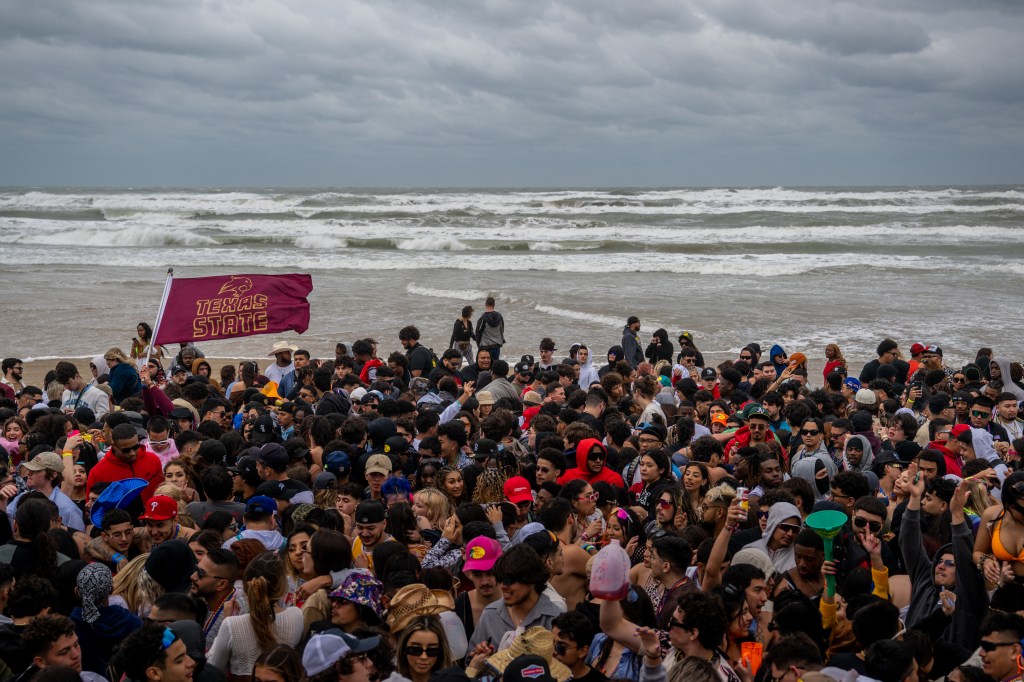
(419, 650)
(861, 522)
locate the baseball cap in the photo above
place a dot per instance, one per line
(708, 373)
(484, 447)
(325, 480)
(45, 461)
(379, 464)
(274, 456)
(523, 367)
(485, 398)
(160, 508)
(178, 369)
(337, 463)
(264, 431)
(866, 396)
(916, 349)
(517, 489)
(180, 413)
(720, 418)
(531, 398)
(759, 412)
(528, 668)
(852, 383)
(260, 504)
(397, 445)
(656, 430)
(958, 429)
(275, 490)
(370, 511)
(246, 468)
(326, 648)
(481, 553)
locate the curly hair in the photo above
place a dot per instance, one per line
(443, 473)
(42, 631)
(490, 487)
(140, 650)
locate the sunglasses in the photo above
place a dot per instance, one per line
(989, 647)
(130, 448)
(418, 650)
(596, 457)
(789, 527)
(959, 380)
(588, 496)
(809, 432)
(664, 504)
(762, 513)
(980, 414)
(861, 522)
(673, 623)
(561, 648)
(948, 563)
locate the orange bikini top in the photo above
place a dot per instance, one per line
(998, 550)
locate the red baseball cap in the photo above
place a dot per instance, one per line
(958, 429)
(917, 349)
(517, 489)
(160, 508)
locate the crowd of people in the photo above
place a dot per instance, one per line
(413, 517)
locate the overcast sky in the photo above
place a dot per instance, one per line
(497, 93)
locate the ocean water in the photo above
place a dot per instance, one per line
(798, 266)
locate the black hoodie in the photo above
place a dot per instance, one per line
(661, 351)
(610, 367)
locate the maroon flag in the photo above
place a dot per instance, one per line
(209, 308)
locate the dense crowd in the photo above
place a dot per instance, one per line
(414, 516)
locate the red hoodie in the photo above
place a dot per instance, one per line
(605, 474)
(110, 469)
(953, 465)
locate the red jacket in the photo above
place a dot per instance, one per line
(741, 437)
(605, 474)
(110, 469)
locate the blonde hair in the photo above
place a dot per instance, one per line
(326, 498)
(136, 587)
(979, 499)
(722, 492)
(439, 508)
(839, 354)
(116, 354)
(175, 493)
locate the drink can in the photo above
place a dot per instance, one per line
(743, 495)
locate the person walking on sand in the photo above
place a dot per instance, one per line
(462, 334)
(490, 330)
(633, 353)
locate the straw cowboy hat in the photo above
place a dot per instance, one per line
(412, 601)
(538, 641)
(282, 347)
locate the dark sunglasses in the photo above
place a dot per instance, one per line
(861, 522)
(809, 432)
(948, 563)
(561, 648)
(789, 527)
(959, 380)
(419, 650)
(980, 414)
(130, 448)
(989, 647)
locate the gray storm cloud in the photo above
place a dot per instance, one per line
(497, 93)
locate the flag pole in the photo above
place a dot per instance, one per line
(160, 313)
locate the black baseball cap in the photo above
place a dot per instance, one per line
(246, 468)
(274, 456)
(484, 448)
(708, 373)
(370, 511)
(528, 668)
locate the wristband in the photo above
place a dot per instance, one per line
(117, 557)
(67, 453)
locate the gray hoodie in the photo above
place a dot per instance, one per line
(866, 459)
(785, 558)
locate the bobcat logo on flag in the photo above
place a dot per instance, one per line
(236, 286)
